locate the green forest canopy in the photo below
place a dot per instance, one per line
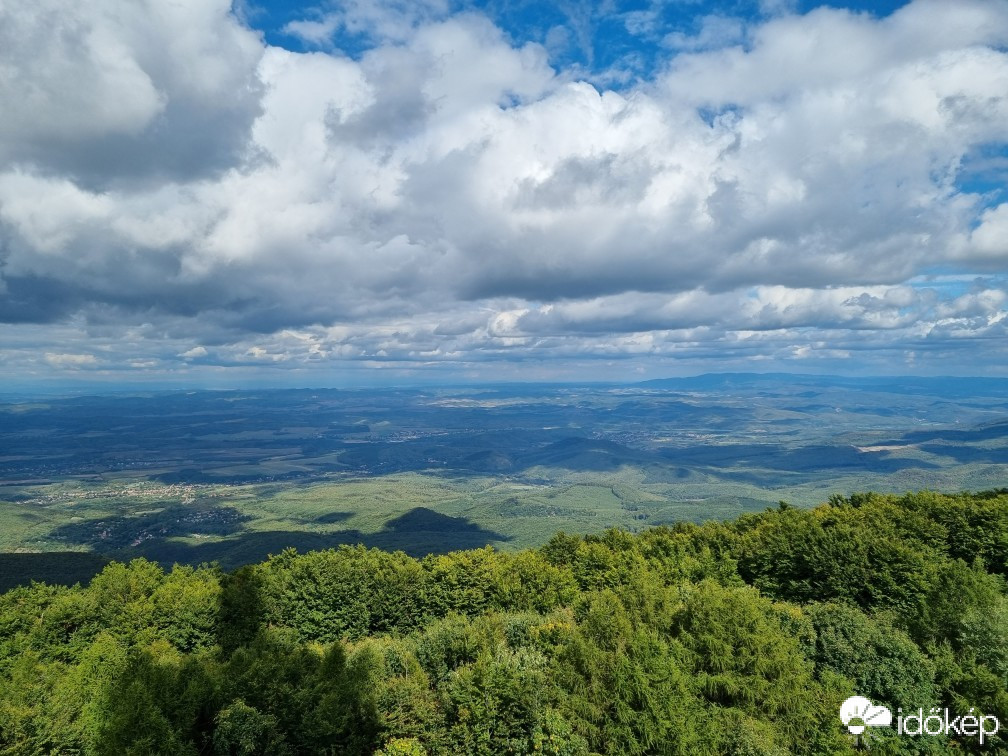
(738, 637)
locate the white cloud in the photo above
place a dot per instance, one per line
(317, 32)
(990, 238)
(447, 196)
(71, 361)
(715, 32)
(125, 88)
(388, 20)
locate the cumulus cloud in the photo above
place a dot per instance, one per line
(990, 238)
(449, 196)
(121, 90)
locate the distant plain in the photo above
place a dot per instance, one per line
(230, 477)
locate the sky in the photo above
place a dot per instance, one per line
(372, 192)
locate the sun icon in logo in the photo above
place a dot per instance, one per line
(859, 714)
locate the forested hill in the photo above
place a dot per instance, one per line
(738, 637)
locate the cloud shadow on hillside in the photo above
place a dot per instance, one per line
(418, 532)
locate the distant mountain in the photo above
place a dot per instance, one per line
(938, 385)
(577, 453)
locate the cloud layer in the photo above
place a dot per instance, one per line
(178, 196)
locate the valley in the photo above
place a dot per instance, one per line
(231, 477)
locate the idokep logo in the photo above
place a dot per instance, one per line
(859, 715)
(940, 722)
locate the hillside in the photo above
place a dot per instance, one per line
(739, 637)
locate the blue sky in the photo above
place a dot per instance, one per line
(382, 191)
(591, 37)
